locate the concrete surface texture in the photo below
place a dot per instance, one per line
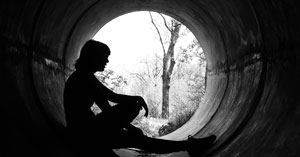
(252, 47)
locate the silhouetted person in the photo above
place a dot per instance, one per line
(111, 129)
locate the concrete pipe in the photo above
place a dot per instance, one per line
(251, 101)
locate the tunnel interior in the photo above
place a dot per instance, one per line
(251, 100)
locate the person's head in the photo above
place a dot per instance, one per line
(93, 56)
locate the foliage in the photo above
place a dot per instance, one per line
(173, 28)
(181, 60)
(111, 80)
(149, 125)
(179, 120)
(187, 83)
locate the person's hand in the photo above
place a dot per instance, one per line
(143, 104)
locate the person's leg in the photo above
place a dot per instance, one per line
(148, 144)
(119, 117)
(193, 146)
(113, 124)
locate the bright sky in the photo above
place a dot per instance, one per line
(131, 38)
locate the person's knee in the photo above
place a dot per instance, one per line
(128, 110)
(136, 108)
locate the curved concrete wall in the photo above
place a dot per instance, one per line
(251, 102)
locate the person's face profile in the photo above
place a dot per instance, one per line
(102, 62)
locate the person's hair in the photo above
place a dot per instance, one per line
(90, 51)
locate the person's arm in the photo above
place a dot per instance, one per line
(119, 98)
(134, 129)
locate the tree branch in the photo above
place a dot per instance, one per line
(161, 42)
(173, 41)
(165, 22)
(139, 76)
(157, 68)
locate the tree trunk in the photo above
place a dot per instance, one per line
(168, 61)
(165, 96)
(168, 66)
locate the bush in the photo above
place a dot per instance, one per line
(179, 120)
(149, 126)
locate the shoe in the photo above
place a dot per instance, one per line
(198, 147)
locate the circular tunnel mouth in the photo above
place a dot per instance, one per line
(136, 41)
(201, 31)
(232, 79)
(250, 102)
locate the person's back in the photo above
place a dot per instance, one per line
(78, 98)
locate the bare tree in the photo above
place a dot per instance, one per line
(168, 60)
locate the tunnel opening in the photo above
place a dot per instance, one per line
(186, 19)
(227, 71)
(205, 34)
(136, 66)
(250, 102)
